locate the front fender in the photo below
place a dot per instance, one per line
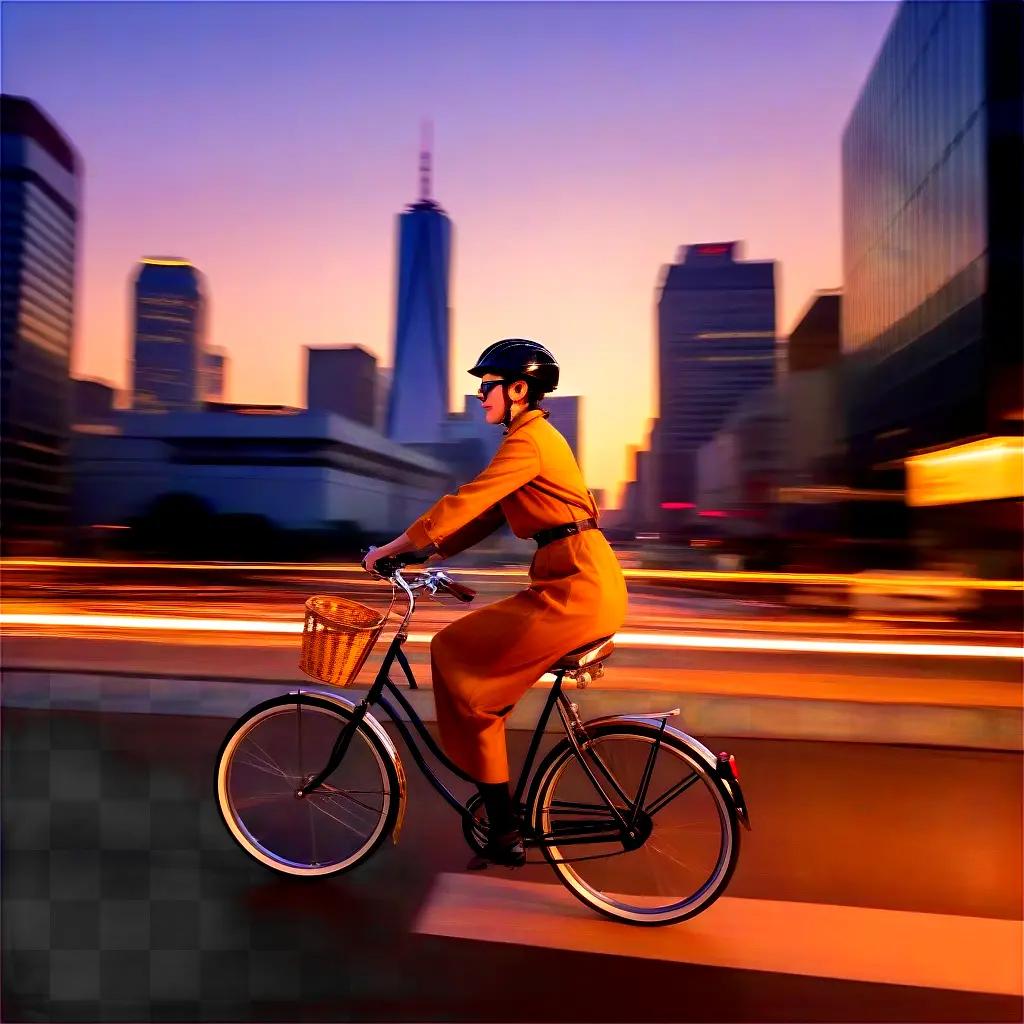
(386, 742)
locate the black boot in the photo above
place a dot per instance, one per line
(505, 840)
(506, 848)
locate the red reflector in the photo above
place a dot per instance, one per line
(734, 765)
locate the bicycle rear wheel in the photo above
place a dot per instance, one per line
(687, 838)
(276, 747)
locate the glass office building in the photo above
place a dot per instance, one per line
(932, 183)
(39, 190)
(716, 344)
(170, 355)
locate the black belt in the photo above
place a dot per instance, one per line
(543, 537)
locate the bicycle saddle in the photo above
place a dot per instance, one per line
(596, 650)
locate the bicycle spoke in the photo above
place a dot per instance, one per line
(258, 799)
(248, 761)
(270, 760)
(326, 790)
(323, 810)
(690, 829)
(329, 798)
(664, 853)
(312, 832)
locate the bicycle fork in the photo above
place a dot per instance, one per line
(341, 744)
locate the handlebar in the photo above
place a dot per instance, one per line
(390, 564)
(433, 580)
(459, 590)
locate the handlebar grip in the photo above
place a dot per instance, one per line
(459, 590)
(390, 564)
(414, 557)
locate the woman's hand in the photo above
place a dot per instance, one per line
(372, 557)
(398, 546)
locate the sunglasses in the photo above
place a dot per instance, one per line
(487, 387)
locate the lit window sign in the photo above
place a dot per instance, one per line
(674, 505)
(983, 470)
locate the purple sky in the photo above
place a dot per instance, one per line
(577, 146)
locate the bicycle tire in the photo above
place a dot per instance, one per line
(324, 718)
(543, 807)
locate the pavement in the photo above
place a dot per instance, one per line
(855, 898)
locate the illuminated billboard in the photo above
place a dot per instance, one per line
(982, 470)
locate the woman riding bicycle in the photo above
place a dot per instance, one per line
(484, 662)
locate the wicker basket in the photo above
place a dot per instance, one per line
(338, 637)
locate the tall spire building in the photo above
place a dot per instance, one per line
(418, 405)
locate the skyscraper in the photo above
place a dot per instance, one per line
(933, 243)
(564, 415)
(170, 349)
(814, 342)
(215, 375)
(418, 404)
(342, 380)
(39, 190)
(716, 344)
(932, 234)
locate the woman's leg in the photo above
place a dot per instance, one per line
(474, 738)
(484, 662)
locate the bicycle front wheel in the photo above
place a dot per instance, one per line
(686, 838)
(277, 747)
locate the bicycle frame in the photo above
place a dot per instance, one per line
(586, 833)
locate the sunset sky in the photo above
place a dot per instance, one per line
(577, 146)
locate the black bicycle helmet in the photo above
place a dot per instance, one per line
(519, 359)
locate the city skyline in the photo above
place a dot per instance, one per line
(574, 166)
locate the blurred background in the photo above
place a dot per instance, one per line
(789, 321)
(249, 251)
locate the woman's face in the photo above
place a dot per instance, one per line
(494, 403)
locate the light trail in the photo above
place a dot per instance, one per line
(152, 622)
(681, 575)
(637, 640)
(793, 644)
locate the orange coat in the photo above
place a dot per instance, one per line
(485, 661)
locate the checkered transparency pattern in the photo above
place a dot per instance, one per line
(124, 897)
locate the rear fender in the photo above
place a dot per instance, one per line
(721, 769)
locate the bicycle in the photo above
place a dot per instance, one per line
(310, 784)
